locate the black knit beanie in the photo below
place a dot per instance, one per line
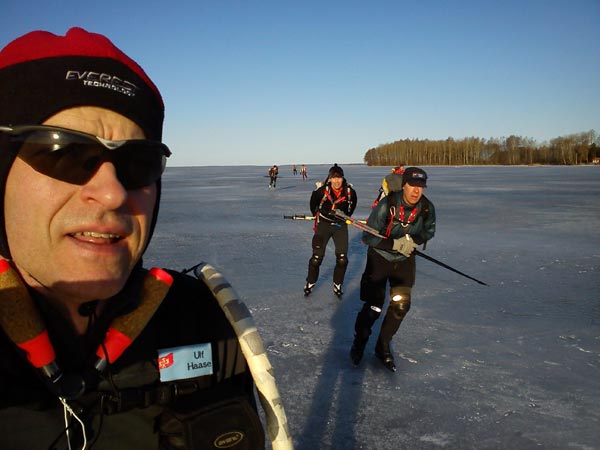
(42, 73)
(335, 170)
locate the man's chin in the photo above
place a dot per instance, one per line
(86, 289)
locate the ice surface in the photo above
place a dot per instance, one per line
(515, 365)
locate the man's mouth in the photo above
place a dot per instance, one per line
(92, 236)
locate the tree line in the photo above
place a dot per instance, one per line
(578, 148)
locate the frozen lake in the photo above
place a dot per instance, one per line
(515, 365)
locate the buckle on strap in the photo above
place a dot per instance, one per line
(130, 398)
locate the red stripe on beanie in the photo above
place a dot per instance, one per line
(76, 42)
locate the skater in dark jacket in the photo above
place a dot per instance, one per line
(336, 193)
(407, 218)
(273, 173)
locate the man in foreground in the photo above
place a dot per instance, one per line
(95, 350)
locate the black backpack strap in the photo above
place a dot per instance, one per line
(391, 204)
(424, 213)
(425, 209)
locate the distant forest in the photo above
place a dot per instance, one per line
(579, 148)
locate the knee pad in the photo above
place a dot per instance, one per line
(341, 260)
(365, 320)
(315, 261)
(400, 305)
(373, 312)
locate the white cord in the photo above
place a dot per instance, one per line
(69, 410)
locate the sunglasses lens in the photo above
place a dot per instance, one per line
(75, 158)
(61, 156)
(139, 163)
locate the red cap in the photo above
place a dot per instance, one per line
(42, 73)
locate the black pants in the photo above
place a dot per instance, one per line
(378, 272)
(325, 231)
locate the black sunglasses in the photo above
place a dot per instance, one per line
(74, 157)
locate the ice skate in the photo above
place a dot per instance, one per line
(308, 287)
(384, 354)
(337, 290)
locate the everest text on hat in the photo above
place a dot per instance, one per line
(95, 79)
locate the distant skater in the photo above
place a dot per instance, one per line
(273, 172)
(303, 172)
(407, 218)
(295, 169)
(336, 193)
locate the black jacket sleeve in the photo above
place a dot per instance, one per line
(315, 199)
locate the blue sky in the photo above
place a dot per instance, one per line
(281, 82)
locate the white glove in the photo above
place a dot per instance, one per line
(405, 245)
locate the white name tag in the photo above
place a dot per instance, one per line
(179, 363)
